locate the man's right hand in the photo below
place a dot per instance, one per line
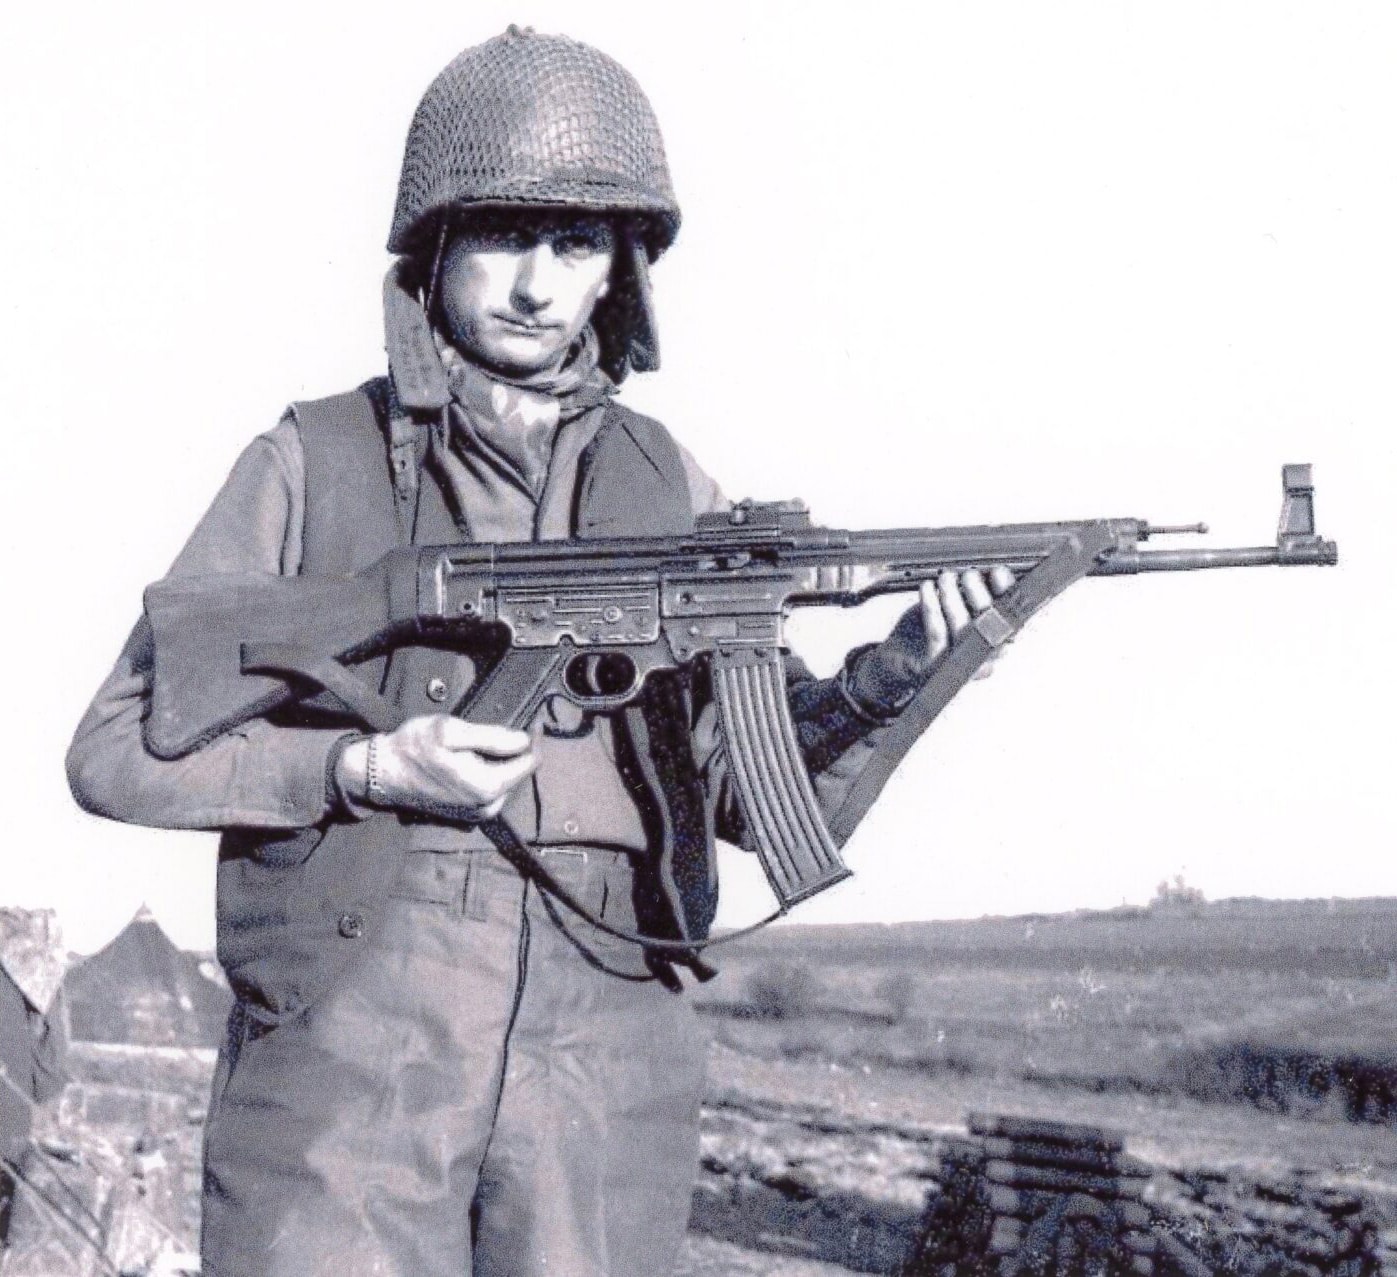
(438, 766)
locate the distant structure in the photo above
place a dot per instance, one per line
(1178, 895)
(143, 990)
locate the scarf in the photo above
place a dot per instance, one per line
(507, 427)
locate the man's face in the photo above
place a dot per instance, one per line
(516, 289)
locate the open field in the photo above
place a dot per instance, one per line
(1247, 1042)
(1284, 1008)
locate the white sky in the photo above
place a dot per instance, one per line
(940, 264)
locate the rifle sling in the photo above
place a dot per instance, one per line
(1069, 562)
(531, 865)
(321, 671)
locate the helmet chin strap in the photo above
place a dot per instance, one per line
(644, 335)
(433, 279)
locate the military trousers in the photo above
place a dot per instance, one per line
(493, 1088)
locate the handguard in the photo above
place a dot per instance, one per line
(784, 824)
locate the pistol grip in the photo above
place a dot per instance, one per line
(784, 823)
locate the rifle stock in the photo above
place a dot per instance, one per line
(200, 626)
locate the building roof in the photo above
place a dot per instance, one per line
(142, 989)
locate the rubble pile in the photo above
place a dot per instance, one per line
(94, 1210)
(112, 1171)
(1270, 1227)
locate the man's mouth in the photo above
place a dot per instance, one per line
(530, 326)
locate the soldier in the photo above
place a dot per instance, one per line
(432, 1067)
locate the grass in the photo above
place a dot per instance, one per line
(1157, 1001)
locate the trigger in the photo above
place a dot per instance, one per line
(561, 717)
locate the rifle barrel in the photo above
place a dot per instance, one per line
(1307, 551)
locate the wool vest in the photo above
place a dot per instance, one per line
(295, 907)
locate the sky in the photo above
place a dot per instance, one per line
(940, 264)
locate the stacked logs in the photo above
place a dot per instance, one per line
(1024, 1196)
(1064, 1197)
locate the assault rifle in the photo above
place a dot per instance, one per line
(591, 619)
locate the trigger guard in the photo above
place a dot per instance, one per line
(593, 679)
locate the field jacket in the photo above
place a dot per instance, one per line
(299, 878)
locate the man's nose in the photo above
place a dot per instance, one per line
(533, 278)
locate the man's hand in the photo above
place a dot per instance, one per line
(439, 766)
(889, 675)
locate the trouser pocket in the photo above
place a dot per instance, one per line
(433, 878)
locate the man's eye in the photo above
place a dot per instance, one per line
(500, 239)
(576, 246)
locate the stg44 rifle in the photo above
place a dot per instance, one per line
(591, 619)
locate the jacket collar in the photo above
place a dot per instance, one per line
(419, 379)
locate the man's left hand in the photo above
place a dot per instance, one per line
(887, 676)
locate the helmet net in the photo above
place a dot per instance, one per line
(534, 119)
